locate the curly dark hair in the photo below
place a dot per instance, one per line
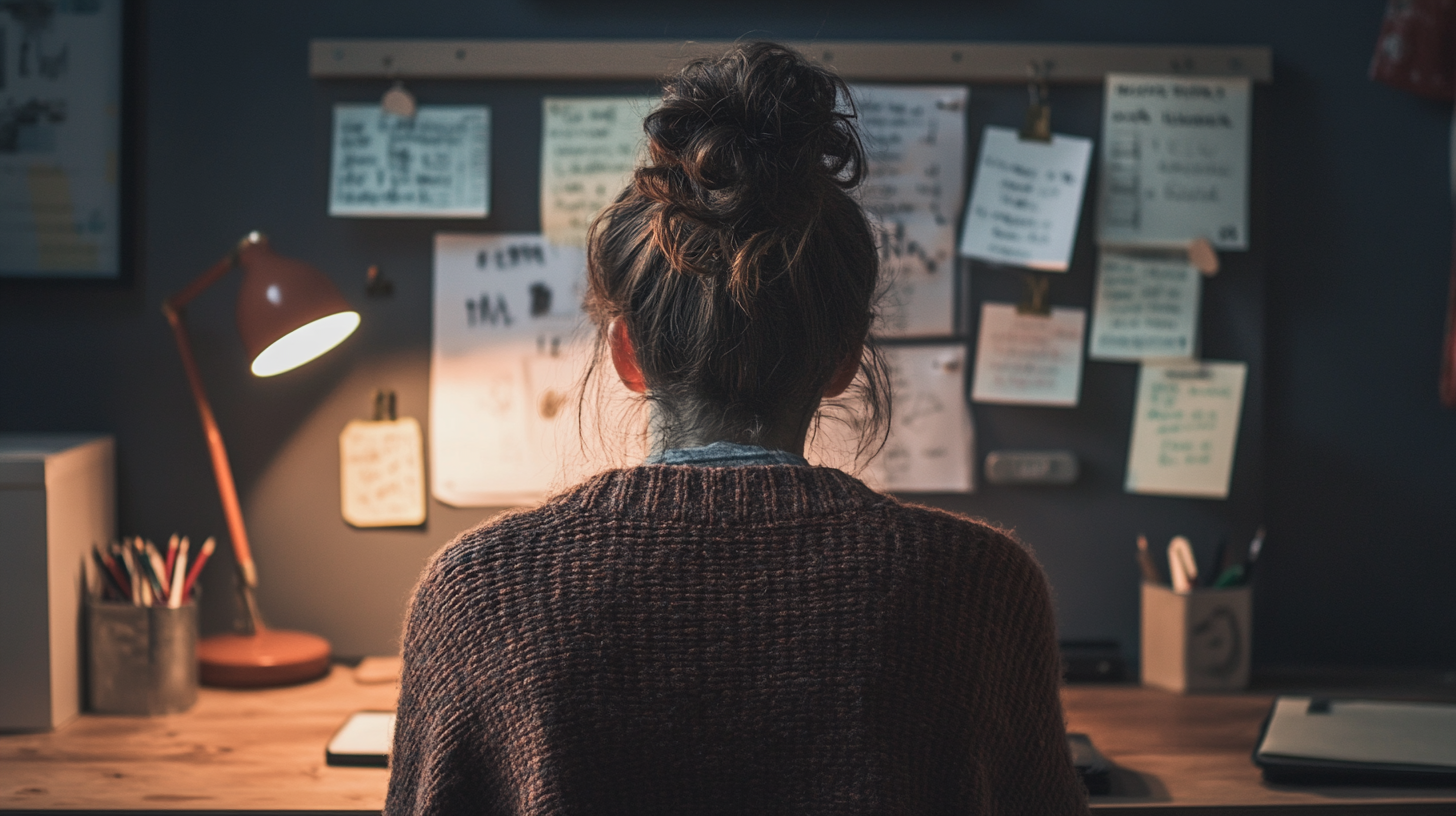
(744, 270)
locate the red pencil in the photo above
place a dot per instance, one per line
(207, 547)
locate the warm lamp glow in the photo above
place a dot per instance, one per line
(305, 343)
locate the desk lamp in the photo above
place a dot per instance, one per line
(288, 314)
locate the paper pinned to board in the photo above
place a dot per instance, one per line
(510, 348)
(1175, 161)
(1029, 359)
(914, 138)
(589, 147)
(1184, 428)
(931, 446)
(1026, 200)
(382, 473)
(435, 164)
(1144, 307)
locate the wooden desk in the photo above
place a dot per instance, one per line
(264, 751)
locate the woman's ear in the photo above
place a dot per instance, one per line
(844, 375)
(624, 358)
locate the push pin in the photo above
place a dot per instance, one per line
(1202, 256)
(399, 101)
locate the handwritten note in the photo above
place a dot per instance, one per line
(1184, 428)
(931, 443)
(1026, 200)
(510, 346)
(931, 448)
(915, 140)
(589, 148)
(1175, 161)
(1029, 359)
(382, 473)
(433, 165)
(1144, 307)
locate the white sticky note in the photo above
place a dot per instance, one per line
(510, 345)
(435, 164)
(1028, 359)
(1026, 200)
(589, 147)
(1144, 307)
(1184, 428)
(382, 473)
(1175, 161)
(914, 138)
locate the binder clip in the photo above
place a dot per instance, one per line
(375, 284)
(1038, 127)
(399, 101)
(384, 406)
(1035, 302)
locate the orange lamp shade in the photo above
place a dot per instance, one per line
(288, 311)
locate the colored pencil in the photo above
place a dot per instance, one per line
(207, 547)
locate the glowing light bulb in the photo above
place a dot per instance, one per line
(305, 343)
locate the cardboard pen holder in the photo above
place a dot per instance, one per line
(1196, 642)
(141, 659)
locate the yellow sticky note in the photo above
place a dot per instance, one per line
(382, 473)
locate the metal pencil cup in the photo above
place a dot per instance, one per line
(141, 659)
(1196, 641)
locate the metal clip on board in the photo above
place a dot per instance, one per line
(1035, 302)
(1038, 127)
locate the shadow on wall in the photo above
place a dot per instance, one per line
(1366, 580)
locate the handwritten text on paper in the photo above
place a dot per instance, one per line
(1144, 307)
(1026, 200)
(1175, 161)
(914, 139)
(432, 165)
(589, 147)
(1029, 359)
(1184, 428)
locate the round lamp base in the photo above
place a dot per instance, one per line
(269, 657)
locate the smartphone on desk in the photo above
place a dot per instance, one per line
(363, 740)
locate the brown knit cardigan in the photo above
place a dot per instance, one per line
(759, 639)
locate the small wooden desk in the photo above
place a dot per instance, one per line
(264, 751)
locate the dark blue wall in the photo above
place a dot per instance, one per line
(1359, 470)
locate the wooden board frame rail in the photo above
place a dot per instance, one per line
(854, 59)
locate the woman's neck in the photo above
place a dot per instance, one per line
(666, 432)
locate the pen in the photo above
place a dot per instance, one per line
(1215, 567)
(1255, 547)
(1145, 562)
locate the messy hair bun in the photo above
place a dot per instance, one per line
(741, 267)
(740, 152)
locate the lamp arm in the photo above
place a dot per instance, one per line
(226, 489)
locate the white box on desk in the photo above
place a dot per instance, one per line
(57, 498)
(1196, 641)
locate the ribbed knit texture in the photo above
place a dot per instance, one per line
(762, 639)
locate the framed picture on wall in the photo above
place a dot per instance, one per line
(63, 128)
